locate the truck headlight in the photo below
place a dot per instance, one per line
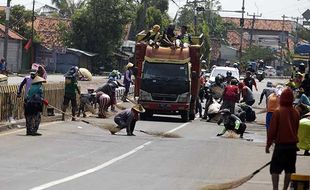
(185, 97)
(145, 95)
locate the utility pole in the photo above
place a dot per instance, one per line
(282, 40)
(241, 32)
(32, 34)
(195, 16)
(252, 27)
(6, 32)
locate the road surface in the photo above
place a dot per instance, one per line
(78, 156)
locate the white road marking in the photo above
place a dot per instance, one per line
(92, 170)
(99, 167)
(177, 128)
(19, 130)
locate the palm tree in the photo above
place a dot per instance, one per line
(68, 7)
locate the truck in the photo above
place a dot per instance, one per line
(167, 79)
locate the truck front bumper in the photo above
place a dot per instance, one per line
(165, 106)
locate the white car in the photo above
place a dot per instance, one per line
(270, 71)
(222, 71)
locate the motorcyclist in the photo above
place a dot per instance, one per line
(228, 77)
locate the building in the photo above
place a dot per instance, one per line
(15, 48)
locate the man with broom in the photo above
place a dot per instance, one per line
(283, 132)
(127, 119)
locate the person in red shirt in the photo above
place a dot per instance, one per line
(283, 132)
(230, 96)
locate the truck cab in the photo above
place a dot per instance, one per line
(167, 79)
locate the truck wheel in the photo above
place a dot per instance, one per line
(191, 116)
(146, 114)
(185, 116)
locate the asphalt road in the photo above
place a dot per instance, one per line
(78, 156)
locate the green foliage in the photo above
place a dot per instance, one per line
(303, 33)
(257, 52)
(68, 7)
(19, 19)
(99, 28)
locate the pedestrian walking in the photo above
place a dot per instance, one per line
(34, 105)
(266, 92)
(231, 122)
(249, 81)
(127, 119)
(127, 80)
(273, 102)
(71, 87)
(283, 132)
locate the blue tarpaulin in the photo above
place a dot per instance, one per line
(302, 49)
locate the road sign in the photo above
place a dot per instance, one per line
(306, 23)
(306, 14)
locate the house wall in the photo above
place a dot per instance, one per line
(14, 56)
(65, 61)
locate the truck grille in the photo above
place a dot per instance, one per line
(164, 97)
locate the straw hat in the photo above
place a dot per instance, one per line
(38, 80)
(129, 65)
(139, 108)
(156, 27)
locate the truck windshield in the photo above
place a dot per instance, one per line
(165, 71)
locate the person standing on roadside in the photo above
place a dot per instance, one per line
(127, 119)
(71, 87)
(34, 105)
(249, 81)
(305, 85)
(127, 81)
(2, 66)
(283, 132)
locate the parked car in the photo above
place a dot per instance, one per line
(222, 71)
(270, 71)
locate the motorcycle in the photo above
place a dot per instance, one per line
(260, 75)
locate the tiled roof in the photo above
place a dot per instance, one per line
(46, 29)
(263, 24)
(233, 39)
(12, 34)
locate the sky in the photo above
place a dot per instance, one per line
(270, 9)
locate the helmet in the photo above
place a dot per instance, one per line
(218, 79)
(301, 64)
(235, 65)
(228, 73)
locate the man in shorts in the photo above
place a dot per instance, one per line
(283, 132)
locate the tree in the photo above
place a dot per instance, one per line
(99, 28)
(19, 19)
(68, 7)
(256, 52)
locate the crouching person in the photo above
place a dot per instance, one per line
(127, 119)
(34, 105)
(231, 122)
(104, 102)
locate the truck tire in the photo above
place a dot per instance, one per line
(147, 114)
(191, 116)
(185, 116)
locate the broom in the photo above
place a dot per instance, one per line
(234, 184)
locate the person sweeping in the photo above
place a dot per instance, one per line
(34, 105)
(283, 132)
(71, 88)
(127, 119)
